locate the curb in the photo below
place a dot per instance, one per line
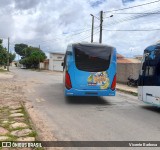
(30, 120)
(127, 92)
(37, 137)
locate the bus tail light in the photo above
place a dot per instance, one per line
(113, 86)
(68, 81)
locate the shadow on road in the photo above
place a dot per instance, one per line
(58, 92)
(152, 108)
(86, 100)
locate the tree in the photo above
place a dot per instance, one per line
(12, 56)
(32, 56)
(19, 49)
(4, 55)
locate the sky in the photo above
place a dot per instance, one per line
(53, 24)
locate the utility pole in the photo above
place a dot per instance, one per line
(8, 56)
(101, 22)
(39, 57)
(92, 28)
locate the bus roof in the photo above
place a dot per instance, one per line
(152, 47)
(90, 44)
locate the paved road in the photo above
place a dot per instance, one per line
(122, 117)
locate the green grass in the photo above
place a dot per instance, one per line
(6, 126)
(6, 111)
(18, 128)
(11, 137)
(33, 134)
(10, 119)
(29, 123)
(26, 116)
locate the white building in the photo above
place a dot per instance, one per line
(55, 61)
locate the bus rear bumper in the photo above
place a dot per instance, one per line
(77, 92)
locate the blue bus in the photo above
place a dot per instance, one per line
(149, 78)
(89, 70)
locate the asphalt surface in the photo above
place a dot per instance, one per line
(119, 118)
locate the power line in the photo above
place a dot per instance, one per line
(88, 36)
(137, 13)
(31, 41)
(69, 36)
(84, 36)
(60, 38)
(133, 6)
(132, 17)
(77, 30)
(134, 30)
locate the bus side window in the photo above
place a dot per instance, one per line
(143, 69)
(158, 68)
(150, 71)
(149, 67)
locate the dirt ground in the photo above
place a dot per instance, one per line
(12, 93)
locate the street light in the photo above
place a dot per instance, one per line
(92, 28)
(101, 21)
(94, 16)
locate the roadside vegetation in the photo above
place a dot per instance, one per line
(4, 56)
(30, 56)
(10, 124)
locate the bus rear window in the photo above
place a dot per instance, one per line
(92, 58)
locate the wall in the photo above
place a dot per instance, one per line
(41, 65)
(55, 62)
(124, 70)
(51, 62)
(44, 65)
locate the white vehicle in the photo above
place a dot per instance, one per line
(23, 67)
(149, 79)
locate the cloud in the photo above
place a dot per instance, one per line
(38, 22)
(127, 1)
(138, 40)
(26, 4)
(6, 26)
(96, 3)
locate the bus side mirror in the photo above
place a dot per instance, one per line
(62, 64)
